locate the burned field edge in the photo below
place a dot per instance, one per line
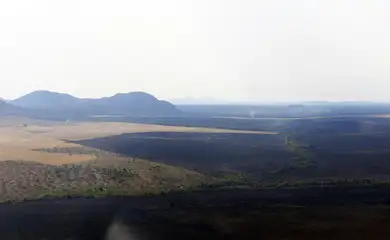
(214, 154)
(302, 155)
(312, 196)
(338, 150)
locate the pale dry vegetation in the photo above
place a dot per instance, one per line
(87, 130)
(18, 143)
(19, 138)
(37, 159)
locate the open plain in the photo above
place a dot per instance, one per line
(20, 139)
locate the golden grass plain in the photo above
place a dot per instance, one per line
(19, 138)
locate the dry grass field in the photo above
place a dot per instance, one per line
(37, 160)
(19, 138)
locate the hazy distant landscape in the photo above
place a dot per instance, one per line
(312, 142)
(281, 156)
(195, 120)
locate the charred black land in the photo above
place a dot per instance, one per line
(308, 213)
(305, 149)
(319, 177)
(203, 152)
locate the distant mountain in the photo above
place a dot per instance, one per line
(45, 99)
(65, 105)
(7, 109)
(130, 104)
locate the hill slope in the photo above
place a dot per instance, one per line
(52, 104)
(45, 99)
(107, 175)
(7, 109)
(134, 103)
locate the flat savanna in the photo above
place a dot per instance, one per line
(20, 139)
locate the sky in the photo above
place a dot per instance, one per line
(234, 50)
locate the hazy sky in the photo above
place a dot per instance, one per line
(260, 50)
